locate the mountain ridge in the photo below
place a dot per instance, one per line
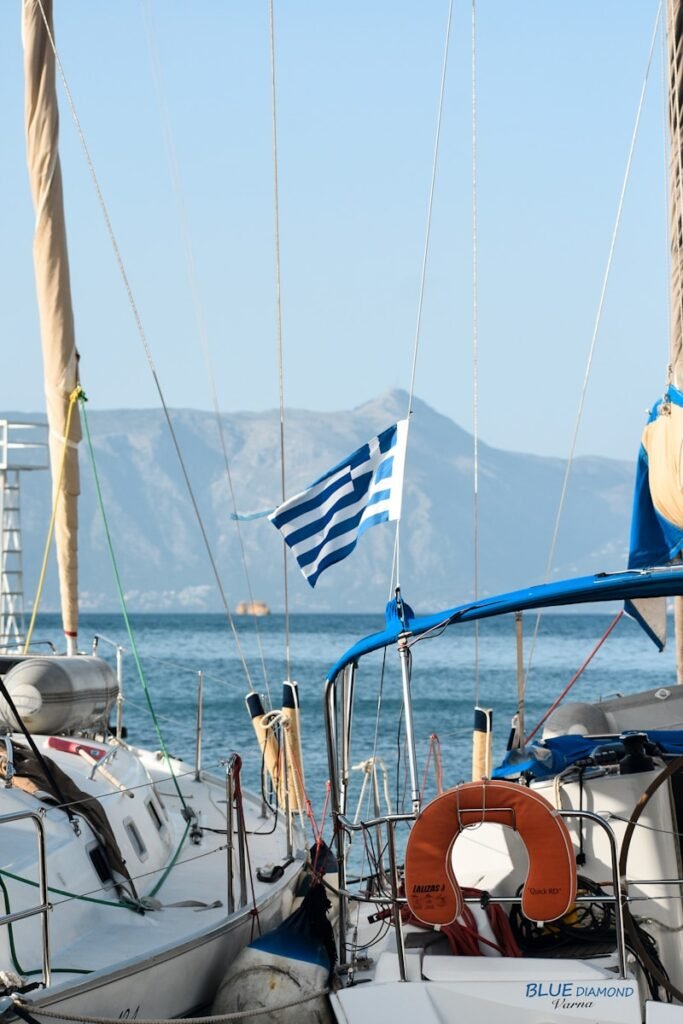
(159, 549)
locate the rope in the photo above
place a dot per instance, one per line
(126, 905)
(596, 328)
(475, 351)
(171, 863)
(425, 254)
(215, 1019)
(643, 954)
(73, 397)
(121, 904)
(198, 307)
(576, 675)
(239, 804)
(145, 344)
(433, 750)
(10, 930)
(278, 314)
(122, 601)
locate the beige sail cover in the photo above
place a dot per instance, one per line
(663, 442)
(53, 291)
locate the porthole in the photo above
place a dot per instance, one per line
(135, 839)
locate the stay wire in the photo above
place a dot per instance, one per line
(278, 313)
(667, 193)
(143, 339)
(673, 65)
(198, 305)
(425, 255)
(58, 496)
(594, 337)
(475, 350)
(122, 602)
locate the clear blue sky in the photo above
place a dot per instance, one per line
(558, 86)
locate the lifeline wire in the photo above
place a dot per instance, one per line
(596, 327)
(425, 253)
(278, 311)
(198, 305)
(143, 338)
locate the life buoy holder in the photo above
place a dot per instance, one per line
(432, 890)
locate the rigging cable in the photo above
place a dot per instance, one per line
(475, 351)
(143, 339)
(423, 272)
(278, 312)
(58, 496)
(596, 327)
(122, 601)
(198, 306)
(675, 201)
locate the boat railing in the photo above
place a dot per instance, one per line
(396, 901)
(43, 908)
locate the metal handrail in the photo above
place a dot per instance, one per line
(396, 901)
(43, 907)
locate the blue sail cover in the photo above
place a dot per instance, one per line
(543, 759)
(654, 540)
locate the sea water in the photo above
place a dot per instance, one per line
(449, 672)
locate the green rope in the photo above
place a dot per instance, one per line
(13, 949)
(122, 601)
(123, 904)
(163, 878)
(10, 930)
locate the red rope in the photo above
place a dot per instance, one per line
(239, 804)
(575, 676)
(463, 935)
(435, 749)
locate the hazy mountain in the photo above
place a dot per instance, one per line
(163, 563)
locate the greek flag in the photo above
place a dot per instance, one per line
(323, 523)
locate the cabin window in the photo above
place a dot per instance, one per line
(160, 800)
(154, 815)
(99, 862)
(135, 839)
(677, 800)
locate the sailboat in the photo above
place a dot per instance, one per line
(128, 879)
(548, 888)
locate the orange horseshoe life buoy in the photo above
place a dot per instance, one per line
(432, 890)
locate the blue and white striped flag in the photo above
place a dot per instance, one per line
(323, 523)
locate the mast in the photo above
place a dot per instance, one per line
(674, 33)
(51, 267)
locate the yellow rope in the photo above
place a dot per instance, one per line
(73, 398)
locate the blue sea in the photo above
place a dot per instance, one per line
(174, 648)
